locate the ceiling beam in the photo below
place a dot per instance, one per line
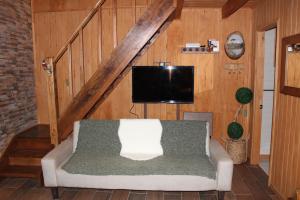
(179, 6)
(231, 6)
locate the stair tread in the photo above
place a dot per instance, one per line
(28, 153)
(27, 143)
(39, 131)
(21, 171)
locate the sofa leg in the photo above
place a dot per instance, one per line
(221, 195)
(54, 191)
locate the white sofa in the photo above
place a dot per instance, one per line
(55, 176)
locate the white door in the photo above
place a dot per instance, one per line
(268, 95)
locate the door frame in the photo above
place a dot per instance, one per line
(258, 93)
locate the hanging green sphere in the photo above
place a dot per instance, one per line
(244, 95)
(235, 130)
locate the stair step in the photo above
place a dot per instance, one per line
(36, 137)
(21, 172)
(33, 143)
(26, 157)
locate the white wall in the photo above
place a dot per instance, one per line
(269, 71)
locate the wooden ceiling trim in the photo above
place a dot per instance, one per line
(76, 5)
(231, 6)
(213, 3)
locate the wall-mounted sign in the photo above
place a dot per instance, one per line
(235, 45)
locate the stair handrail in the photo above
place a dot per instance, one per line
(49, 65)
(80, 27)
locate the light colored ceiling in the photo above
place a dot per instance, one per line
(213, 3)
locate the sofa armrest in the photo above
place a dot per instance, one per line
(54, 159)
(223, 163)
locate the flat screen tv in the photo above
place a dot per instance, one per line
(164, 84)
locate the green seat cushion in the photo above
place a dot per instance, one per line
(93, 164)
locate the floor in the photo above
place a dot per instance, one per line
(264, 165)
(249, 183)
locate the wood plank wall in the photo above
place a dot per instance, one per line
(285, 156)
(214, 86)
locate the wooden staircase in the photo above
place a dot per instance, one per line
(109, 72)
(23, 156)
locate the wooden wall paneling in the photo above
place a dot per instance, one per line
(40, 6)
(285, 142)
(91, 47)
(114, 22)
(291, 150)
(275, 126)
(114, 107)
(209, 68)
(100, 37)
(257, 101)
(107, 30)
(42, 43)
(296, 165)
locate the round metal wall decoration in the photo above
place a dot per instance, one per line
(235, 45)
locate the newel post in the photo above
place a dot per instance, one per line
(52, 100)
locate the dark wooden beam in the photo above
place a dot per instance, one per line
(231, 6)
(179, 6)
(147, 26)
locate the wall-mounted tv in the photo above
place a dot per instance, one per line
(163, 84)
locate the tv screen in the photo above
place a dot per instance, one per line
(167, 84)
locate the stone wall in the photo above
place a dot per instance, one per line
(17, 92)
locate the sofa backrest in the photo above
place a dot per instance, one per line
(99, 136)
(184, 137)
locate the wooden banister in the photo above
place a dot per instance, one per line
(52, 100)
(109, 72)
(70, 71)
(77, 31)
(81, 58)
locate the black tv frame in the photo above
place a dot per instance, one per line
(168, 101)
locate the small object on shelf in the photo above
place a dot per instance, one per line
(192, 45)
(211, 47)
(203, 49)
(214, 45)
